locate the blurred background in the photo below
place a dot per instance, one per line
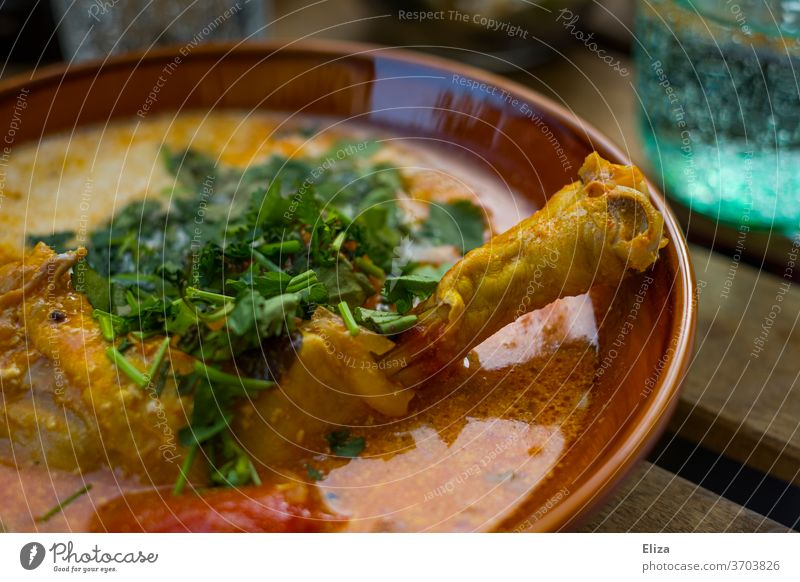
(582, 53)
(702, 94)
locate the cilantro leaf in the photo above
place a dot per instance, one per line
(343, 445)
(403, 290)
(385, 322)
(269, 317)
(96, 287)
(56, 241)
(459, 223)
(313, 473)
(344, 284)
(237, 256)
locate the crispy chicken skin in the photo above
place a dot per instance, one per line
(591, 232)
(334, 382)
(63, 403)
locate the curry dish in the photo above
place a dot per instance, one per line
(225, 323)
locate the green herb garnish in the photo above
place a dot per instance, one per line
(313, 473)
(459, 223)
(403, 290)
(343, 445)
(385, 322)
(347, 316)
(238, 259)
(62, 504)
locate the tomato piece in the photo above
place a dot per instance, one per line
(264, 508)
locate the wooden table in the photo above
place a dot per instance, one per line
(743, 406)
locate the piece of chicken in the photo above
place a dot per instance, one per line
(333, 384)
(591, 232)
(64, 404)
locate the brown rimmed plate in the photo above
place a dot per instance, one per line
(533, 144)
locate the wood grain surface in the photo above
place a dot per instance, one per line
(741, 396)
(655, 500)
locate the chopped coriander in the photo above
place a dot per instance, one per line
(345, 284)
(302, 281)
(286, 247)
(184, 471)
(126, 367)
(124, 345)
(370, 268)
(268, 317)
(62, 504)
(337, 242)
(277, 240)
(141, 335)
(96, 287)
(208, 296)
(220, 313)
(459, 223)
(191, 436)
(347, 316)
(265, 262)
(56, 241)
(385, 322)
(110, 325)
(236, 468)
(159, 378)
(313, 473)
(343, 445)
(216, 376)
(155, 365)
(403, 290)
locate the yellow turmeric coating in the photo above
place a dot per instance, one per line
(591, 232)
(64, 404)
